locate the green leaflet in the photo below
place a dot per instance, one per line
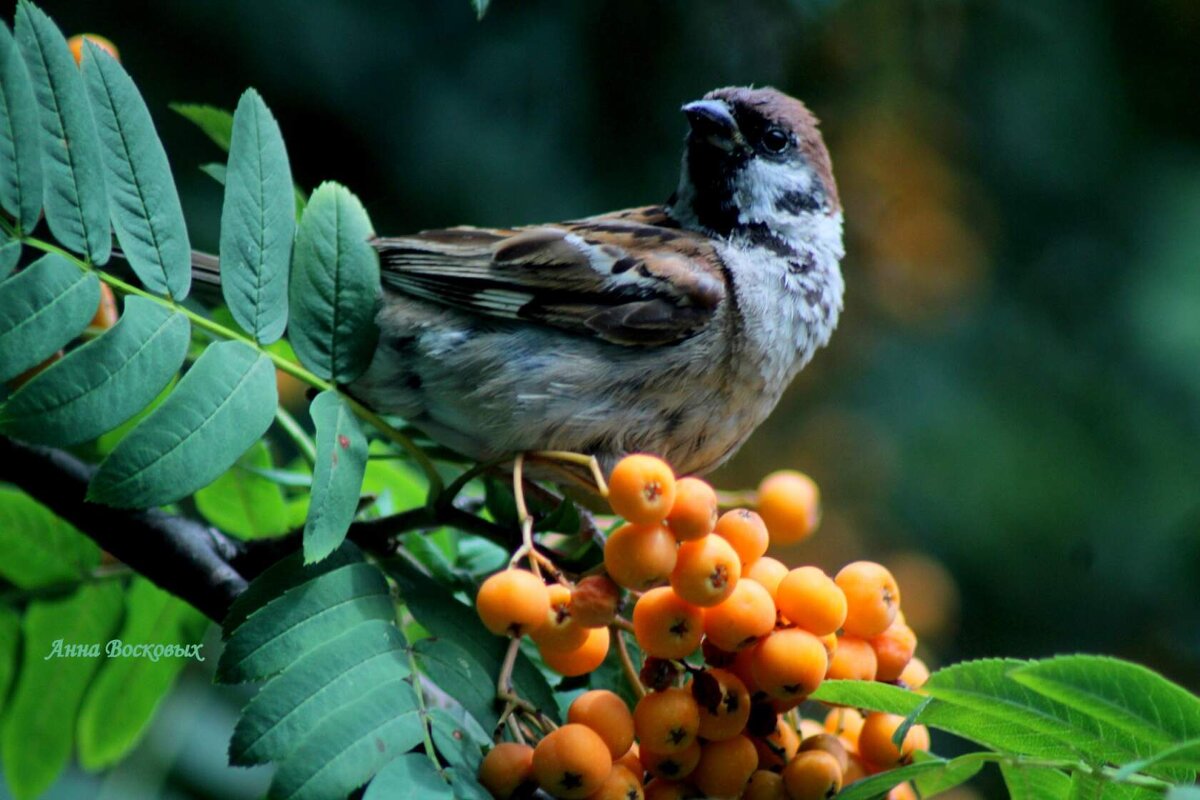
(258, 221)
(224, 403)
(409, 776)
(244, 503)
(1151, 713)
(337, 475)
(481, 7)
(1035, 783)
(314, 686)
(20, 161)
(39, 548)
(448, 619)
(335, 286)
(142, 198)
(460, 743)
(10, 650)
(103, 383)
(955, 773)
(217, 123)
(41, 309)
(461, 676)
(74, 194)
(122, 700)
(10, 254)
(307, 615)
(285, 574)
(350, 745)
(39, 725)
(878, 785)
(869, 695)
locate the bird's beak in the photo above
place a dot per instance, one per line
(712, 122)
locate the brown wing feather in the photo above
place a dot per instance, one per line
(632, 277)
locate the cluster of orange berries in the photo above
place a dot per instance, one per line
(768, 636)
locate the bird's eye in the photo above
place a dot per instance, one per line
(775, 140)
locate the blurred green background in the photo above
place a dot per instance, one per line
(1009, 415)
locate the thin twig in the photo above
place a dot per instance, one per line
(631, 673)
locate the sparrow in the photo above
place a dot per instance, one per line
(668, 329)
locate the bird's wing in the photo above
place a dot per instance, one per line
(630, 277)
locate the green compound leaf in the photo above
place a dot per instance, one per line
(243, 502)
(459, 742)
(304, 617)
(121, 702)
(1035, 783)
(460, 675)
(217, 123)
(39, 725)
(10, 254)
(103, 383)
(10, 650)
(314, 686)
(285, 574)
(41, 309)
(74, 194)
(258, 221)
(409, 776)
(878, 785)
(335, 286)
(39, 548)
(350, 745)
(448, 619)
(223, 405)
(337, 476)
(142, 198)
(1149, 711)
(20, 159)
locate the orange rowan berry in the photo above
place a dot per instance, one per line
(725, 767)
(724, 704)
(790, 505)
(789, 664)
(667, 626)
(571, 762)
(915, 674)
(855, 771)
(893, 648)
(809, 598)
(903, 791)
(746, 531)
(854, 660)
(814, 775)
(662, 789)
(694, 513)
(605, 713)
(765, 785)
(673, 766)
(872, 598)
(506, 768)
(667, 721)
(829, 743)
(631, 761)
(830, 641)
(621, 784)
(642, 489)
(845, 723)
(106, 312)
(640, 556)
(594, 601)
(767, 571)
(513, 602)
(560, 630)
(875, 743)
(706, 571)
(583, 659)
(75, 44)
(745, 616)
(778, 747)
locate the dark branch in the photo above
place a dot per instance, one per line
(184, 557)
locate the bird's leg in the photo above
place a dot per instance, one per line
(527, 549)
(582, 459)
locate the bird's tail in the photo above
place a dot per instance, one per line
(206, 268)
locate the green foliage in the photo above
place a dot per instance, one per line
(20, 162)
(39, 725)
(105, 382)
(257, 222)
(42, 308)
(243, 501)
(10, 253)
(122, 700)
(141, 193)
(39, 548)
(75, 199)
(217, 123)
(335, 286)
(337, 475)
(409, 776)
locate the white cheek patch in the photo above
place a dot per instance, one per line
(760, 185)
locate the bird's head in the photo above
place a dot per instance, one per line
(754, 162)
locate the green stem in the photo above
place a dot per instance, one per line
(304, 442)
(422, 712)
(282, 363)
